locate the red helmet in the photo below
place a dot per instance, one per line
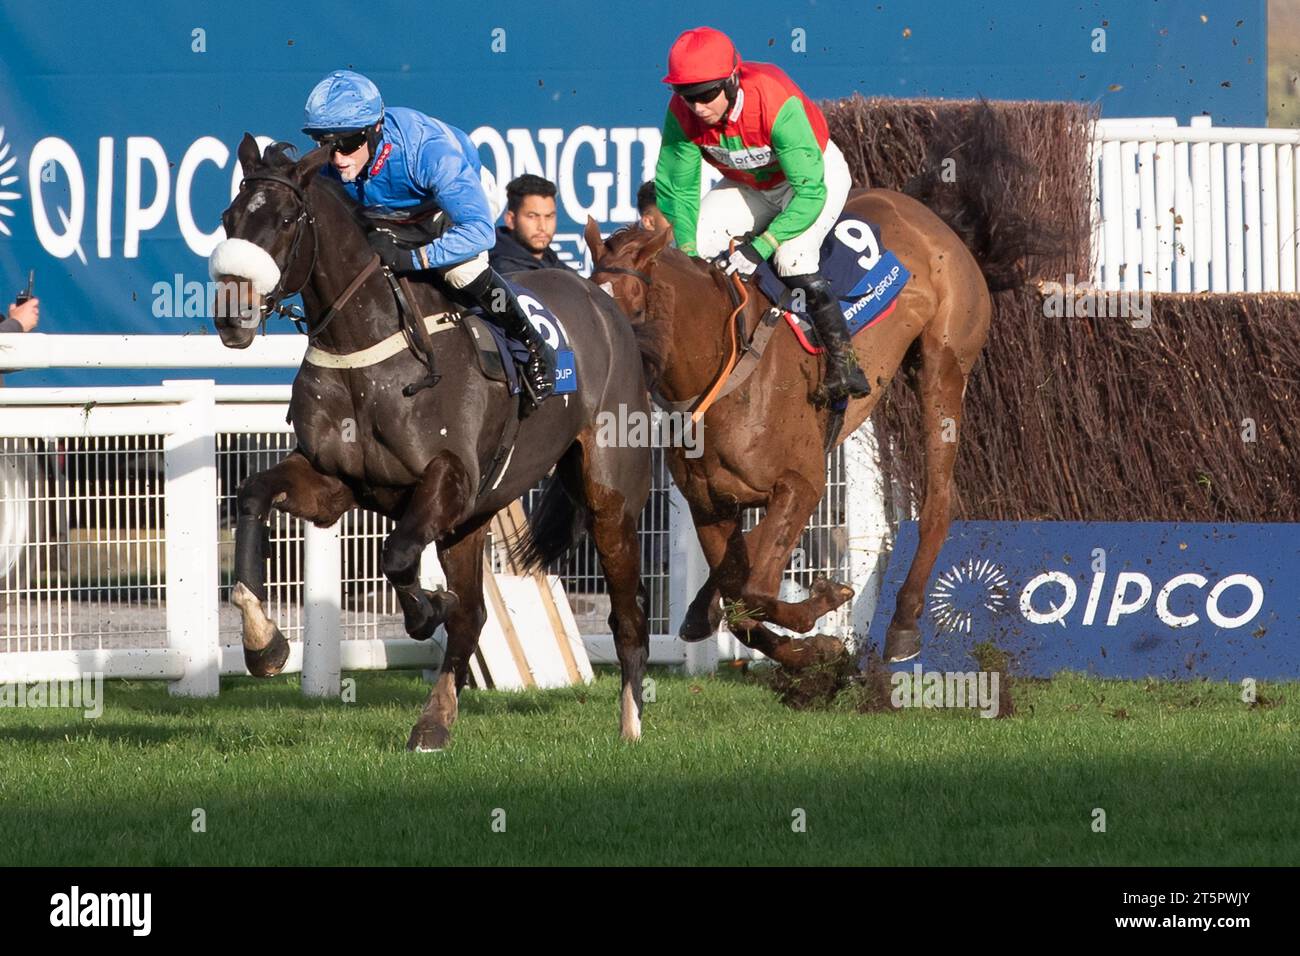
(701, 55)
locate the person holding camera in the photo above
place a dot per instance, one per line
(21, 318)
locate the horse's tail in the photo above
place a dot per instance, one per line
(556, 520)
(978, 202)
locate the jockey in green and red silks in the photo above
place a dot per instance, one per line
(784, 183)
(396, 158)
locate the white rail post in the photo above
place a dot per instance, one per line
(687, 572)
(1286, 217)
(1219, 218)
(322, 598)
(866, 526)
(190, 514)
(1253, 232)
(1130, 202)
(1112, 214)
(1164, 216)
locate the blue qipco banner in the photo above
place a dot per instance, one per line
(1112, 599)
(118, 132)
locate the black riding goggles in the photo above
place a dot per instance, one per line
(691, 94)
(344, 143)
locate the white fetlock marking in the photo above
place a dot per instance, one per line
(444, 693)
(631, 719)
(258, 629)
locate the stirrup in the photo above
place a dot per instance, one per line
(537, 393)
(532, 399)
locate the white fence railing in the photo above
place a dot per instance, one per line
(110, 567)
(115, 532)
(1195, 208)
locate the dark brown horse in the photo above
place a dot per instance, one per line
(763, 444)
(422, 460)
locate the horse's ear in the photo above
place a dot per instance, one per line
(249, 153)
(656, 245)
(310, 165)
(596, 244)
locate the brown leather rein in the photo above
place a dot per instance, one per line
(702, 402)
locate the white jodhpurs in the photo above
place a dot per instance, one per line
(463, 273)
(730, 210)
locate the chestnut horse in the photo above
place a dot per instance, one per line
(432, 457)
(764, 444)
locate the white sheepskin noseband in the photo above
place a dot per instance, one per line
(239, 257)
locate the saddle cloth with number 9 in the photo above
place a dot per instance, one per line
(865, 276)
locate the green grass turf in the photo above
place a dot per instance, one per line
(1186, 773)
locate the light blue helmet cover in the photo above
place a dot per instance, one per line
(343, 101)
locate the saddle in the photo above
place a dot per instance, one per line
(865, 277)
(414, 228)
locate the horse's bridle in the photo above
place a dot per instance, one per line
(620, 271)
(273, 303)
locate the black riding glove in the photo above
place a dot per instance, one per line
(385, 245)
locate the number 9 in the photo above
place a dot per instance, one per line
(857, 235)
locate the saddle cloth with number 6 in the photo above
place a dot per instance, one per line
(500, 358)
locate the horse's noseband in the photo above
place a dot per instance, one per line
(272, 303)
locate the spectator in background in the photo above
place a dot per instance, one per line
(21, 318)
(524, 242)
(648, 209)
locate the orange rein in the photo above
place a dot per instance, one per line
(711, 395)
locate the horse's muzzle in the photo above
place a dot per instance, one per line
(236, 311)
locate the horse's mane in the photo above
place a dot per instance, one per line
(628, 240)
(654, 340)
(279, 155)
(335, 188)
(624, 235)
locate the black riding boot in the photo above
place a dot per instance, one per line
(844, 379)
(498, 301)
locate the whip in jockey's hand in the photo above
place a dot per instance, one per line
(398, 159)
(785, 181)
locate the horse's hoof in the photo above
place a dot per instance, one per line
(424, 631)
(271, 659)
(429, 739)
(902, 644)
(423, 627)
(831, 591)
(823, 649)
(698, 627)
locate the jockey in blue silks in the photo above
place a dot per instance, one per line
(400, 158)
